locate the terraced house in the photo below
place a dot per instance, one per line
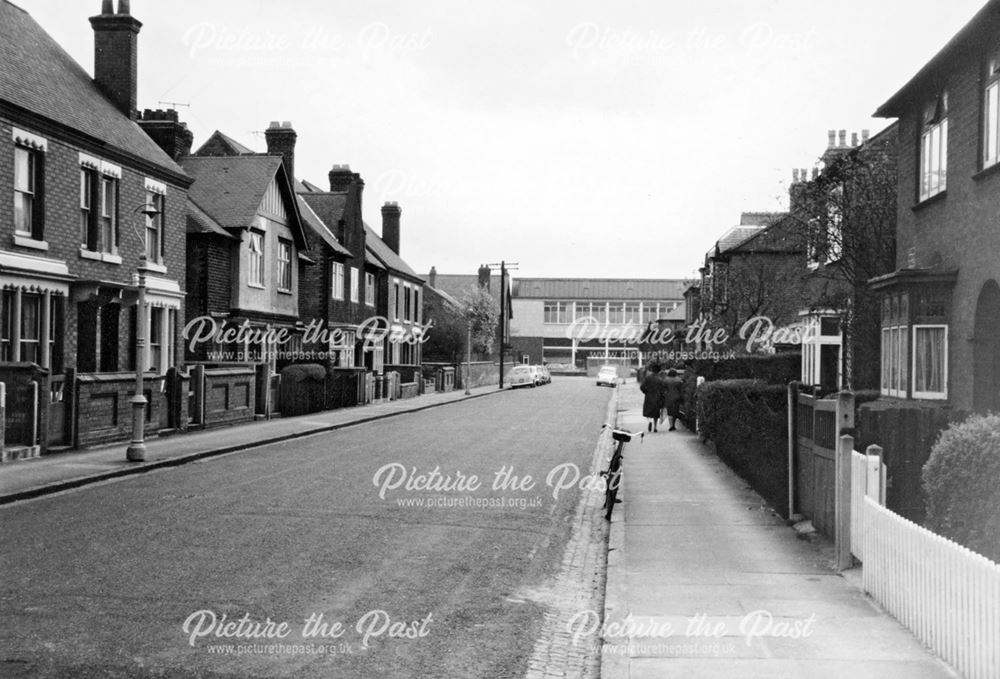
(88, 193)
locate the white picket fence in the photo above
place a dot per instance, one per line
(947, 595)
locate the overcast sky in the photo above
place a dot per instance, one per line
(578, 138)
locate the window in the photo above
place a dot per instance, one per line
(337, 280)
(109, 215)
(616, 312)
(934, 149)
(355, 296)
(27, 325)
(395, 302)
(154, 229)
(88, 216)
(257, 259)
(894, 354)
(407, 304)
(631, 312)
(370, 289)
(284, 265)
(31, 328)
(155, 339)
(27, 192)
(557, 312)
(930, 360)
(991, 112)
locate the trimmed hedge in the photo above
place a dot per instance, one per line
(303, 389)
(769, 368)
(747, 422)
(960, 483)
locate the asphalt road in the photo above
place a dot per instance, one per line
(132, 578)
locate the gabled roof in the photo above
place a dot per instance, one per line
(384, 254)
(970, 42)
(328, 205)
(230, 189)
(200, 222)
(446, 299)
(599, 288)
(37, 75)
(733, 238)
(220, 144)
(317, 226)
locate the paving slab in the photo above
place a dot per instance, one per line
(708, 581)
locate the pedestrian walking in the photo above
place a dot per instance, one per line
(673, 397)
(652, 387)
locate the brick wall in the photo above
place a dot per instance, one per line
(229, 395)
(104, 411)
(956, 229)
(62, 218)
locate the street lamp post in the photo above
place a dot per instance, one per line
(136, 451)
(468, 357)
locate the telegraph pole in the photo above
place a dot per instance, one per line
(504, 268)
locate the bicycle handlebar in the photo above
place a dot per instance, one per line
(623, 434)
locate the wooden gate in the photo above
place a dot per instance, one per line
(814, 460)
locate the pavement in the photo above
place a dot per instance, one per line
(706, 581)
(34, 477)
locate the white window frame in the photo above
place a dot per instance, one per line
(285, 266)
(337, 280)
(255, 273)
(894, 348)
(991, 113)
(929, 395)
(355, 293)
(369, 289)
(934, 153)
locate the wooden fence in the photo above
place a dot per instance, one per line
(947, 595)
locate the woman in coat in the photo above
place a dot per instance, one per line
(673, 396)
(652, 387)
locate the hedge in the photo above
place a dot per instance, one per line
(960, 483)
(747, 422)
(303, 389)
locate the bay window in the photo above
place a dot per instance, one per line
(930, 361)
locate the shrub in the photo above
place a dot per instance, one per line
(747, 422)
(302, 389)
(960, 482)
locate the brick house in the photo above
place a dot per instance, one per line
(89, 192)
(941, 305)
(246, 240)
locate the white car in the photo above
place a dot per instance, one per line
(521, 376)
(607, 376)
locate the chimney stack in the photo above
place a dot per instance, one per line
(484, 276)
(432, 277)
(341, 178)
(280, 139)
(390, 225)
(171, 135)
(116, 49)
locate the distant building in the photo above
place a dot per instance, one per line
(568, 320)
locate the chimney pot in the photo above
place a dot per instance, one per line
(123, 7)
(831, 139)
(854, 138)
(107, 7)
(815, 172)
(843, 138)
(795, 176)
(864, 135)
(432, 277)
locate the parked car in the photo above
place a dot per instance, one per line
(543, 374)
(607, 376)
(521, 376)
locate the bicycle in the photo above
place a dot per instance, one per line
(613, 475)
